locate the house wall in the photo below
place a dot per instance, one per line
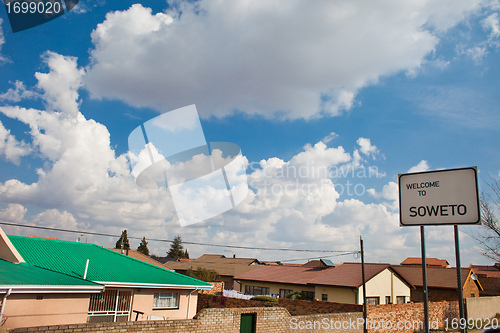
(143, 302)
(336, 294)
(386, 283)
(24, 310)
(274, 288)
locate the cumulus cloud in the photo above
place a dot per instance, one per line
(421, 166)
(10, 148)
(291, 59)
(18, 93)
(2, 40)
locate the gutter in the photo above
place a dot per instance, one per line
(150, 285)
(3, 303)
(19, 289)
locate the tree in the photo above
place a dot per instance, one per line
(123, 242)
(177, 250)
(204, 274)
(488, 236)
(143, 247)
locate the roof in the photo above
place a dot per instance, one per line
(26, 277)
(428, 262)
(105, 266)
(437, 277)
(489, 271)
(344, 275)
(283, 274)
(142, 257)
(350, 274)
(222, 265)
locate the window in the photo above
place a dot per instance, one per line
(166, 301)
(253, 290)
(373, 300)
(284, 292)
(324, 297)
(400, 299)
(387, 299)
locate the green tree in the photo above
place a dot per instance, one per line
(143, 247)
(177, 250)
(123, 242)
(204, 274)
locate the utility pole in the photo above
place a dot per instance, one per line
(365, 329)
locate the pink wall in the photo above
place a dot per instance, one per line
(24, 310)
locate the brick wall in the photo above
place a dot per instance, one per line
(213, 320)
(410, 316)
(217, 289)
(295, 307)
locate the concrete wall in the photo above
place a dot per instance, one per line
(143, 302)
(482, 307)
(24, 310)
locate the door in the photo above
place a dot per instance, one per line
(248, 322)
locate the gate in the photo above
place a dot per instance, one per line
(110, 306)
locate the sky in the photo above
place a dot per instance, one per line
(328, 101)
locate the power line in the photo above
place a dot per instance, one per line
(171, 241)
(322, 257)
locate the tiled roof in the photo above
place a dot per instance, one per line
(344, 275)
(437, 277)
(428, 261)
(489, 271)
(105, 266)
(26, 275)
(283, 274)
(222, 265)
(349, 274)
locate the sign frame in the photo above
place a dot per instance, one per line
(403, 221)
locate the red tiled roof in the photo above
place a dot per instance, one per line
(489, 271)
(437, 277)
(349, 274)
(222, 265)
(283, 274)
(428, 261)
(344, 275)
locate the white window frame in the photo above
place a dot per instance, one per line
(165, 301)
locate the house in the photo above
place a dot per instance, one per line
(133, 289)
(341, 283)
(441, 283)
(429, 262)
(489, 277)
(227, 268)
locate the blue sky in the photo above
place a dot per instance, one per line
(383, 86)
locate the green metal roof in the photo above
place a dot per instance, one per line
(24, 274)
(105, 266)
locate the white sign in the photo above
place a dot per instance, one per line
(439, 197)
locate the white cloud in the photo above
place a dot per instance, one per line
(2, 41)
(12, 149)
(367, 148)
(492, 24)
(330, 137)
(421, 166)
(18, 93)
(288, 59)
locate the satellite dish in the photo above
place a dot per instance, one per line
(473, 277)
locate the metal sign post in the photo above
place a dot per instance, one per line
(463, 328)
(424, 280)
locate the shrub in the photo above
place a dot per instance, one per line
(264, 299)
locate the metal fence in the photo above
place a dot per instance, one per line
(110, 306)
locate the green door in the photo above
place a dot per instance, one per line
(248, 322)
